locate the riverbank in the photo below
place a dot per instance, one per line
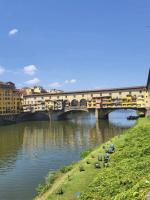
(126, 177)
(27, 116)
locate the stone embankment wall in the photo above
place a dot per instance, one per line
(37, 116)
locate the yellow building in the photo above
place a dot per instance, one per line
(10, 99)
(36, 103)
(130, 97)
(33, 90)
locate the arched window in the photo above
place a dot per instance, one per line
(74, 102)
(83, 102)
(66, 103)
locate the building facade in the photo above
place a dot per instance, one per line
(33, 90)
(36, 103)
(135, 97)
(10, 99)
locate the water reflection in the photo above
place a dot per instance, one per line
(29, 150)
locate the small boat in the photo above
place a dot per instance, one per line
(132, 117)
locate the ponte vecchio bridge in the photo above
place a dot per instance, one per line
(102, 101)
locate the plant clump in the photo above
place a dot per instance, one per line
(92, 156)
(81, 169)
(97, 165)
(66, 169)
(100, 157)
(60, 191)
(88, 162)
(85, 153)
(49, 180)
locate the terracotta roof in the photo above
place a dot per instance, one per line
(92, 91)
(7, 85)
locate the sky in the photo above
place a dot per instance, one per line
(75, 44)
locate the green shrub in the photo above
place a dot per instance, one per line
(85, 153)
(49, 180)
(100, 158)
(69, 178)
(92, 156)
(52, 176)
(97, 165)
(66, 169)
(81, 169)
(40, 189)
(60, 191)
(88, 162)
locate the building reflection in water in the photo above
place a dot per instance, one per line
(11, 140)
(73, 134)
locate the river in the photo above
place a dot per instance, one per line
(28, 151)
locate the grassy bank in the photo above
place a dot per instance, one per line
(126, 178)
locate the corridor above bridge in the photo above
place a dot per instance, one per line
(126, 97)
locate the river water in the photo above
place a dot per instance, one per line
(28, 151)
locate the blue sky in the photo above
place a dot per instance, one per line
(80, 44)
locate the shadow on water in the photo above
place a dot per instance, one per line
(28, 151)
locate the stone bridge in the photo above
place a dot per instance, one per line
(75, 108)
(102, 101)
(100, 113)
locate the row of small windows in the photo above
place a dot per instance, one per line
(100, 94)
(4, 108)
(130, 92)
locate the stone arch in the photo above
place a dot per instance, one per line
(83, 102)
(66, 103)
(74, 102)
(105, 112)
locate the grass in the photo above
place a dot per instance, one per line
(126, 178)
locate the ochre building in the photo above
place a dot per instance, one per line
(10, 99)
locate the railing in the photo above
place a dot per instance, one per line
(75, 108)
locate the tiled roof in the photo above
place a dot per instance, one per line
(93, 91)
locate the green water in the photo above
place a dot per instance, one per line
(28, 151)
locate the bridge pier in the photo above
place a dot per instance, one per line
(147, 113)
(101, 113)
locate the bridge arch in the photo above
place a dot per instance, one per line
(104, 112)
(142, 110)
(74, 102)
(66, 103)
(83, 102)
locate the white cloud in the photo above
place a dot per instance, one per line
(73, 81)
(33, 81)
(13, 31)
(66, 81)
(2, 70)
(70, 81)
(58, 84)
(30, 69)
(55, 84)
